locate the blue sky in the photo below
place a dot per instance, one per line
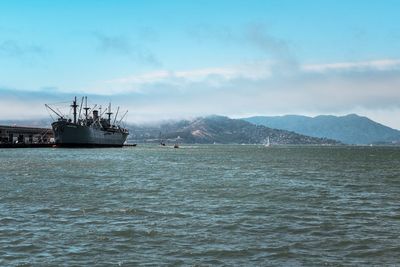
(174, 59)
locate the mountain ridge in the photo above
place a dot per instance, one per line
(349, 129)
(219, 129)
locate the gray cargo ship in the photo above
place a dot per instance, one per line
(89, 131)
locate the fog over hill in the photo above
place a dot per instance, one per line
(218, 129)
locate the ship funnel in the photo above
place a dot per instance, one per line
(95, 114)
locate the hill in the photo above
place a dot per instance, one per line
(350, 129)
(219, 129)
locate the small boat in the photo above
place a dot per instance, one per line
(162, 141)
(177, 142)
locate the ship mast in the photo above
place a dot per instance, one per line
(80, 109)
(74, 106)
(86, 108)
(115, 118)
(109, 113)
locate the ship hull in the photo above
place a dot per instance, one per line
(67, 134)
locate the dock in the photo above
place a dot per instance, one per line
(13, 136)
(26, 145)
(23, 134)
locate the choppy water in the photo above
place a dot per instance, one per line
(200, 205)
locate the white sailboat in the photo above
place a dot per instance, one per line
(267, 142)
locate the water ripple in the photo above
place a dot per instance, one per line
(200, 206)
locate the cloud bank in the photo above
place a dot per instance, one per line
(247, 89)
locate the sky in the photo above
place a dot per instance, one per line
(185, 58)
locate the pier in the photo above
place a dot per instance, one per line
(22, 136)
(22, 145)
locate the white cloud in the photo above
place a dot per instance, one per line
(215, 77)
(381, 65)
(219, 76)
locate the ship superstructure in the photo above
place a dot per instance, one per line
(89, 129)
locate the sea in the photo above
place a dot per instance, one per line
(200, 205)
